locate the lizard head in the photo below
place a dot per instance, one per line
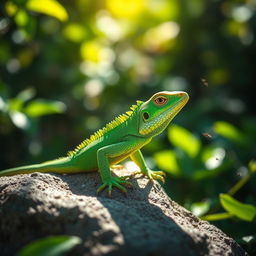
(159, 110)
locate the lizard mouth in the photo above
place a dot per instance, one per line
(160, 122)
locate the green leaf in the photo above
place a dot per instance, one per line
(50, 246)
(166, 160)
(15, 104)
(21, 18)
(48, 7)
(230, 132)
(217, 216)
(245, 212)
(182, 138)
(74, 32)
(252, 166)
(26, 94)
(11, 8)
(44, 107)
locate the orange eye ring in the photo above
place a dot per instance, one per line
(161, 100)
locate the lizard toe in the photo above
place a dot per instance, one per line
(101, 188)
(120, 187)
(158, 177)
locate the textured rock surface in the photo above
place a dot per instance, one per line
(146, 222)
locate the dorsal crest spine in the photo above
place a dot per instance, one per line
(101, 132)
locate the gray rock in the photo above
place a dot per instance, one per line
(146, 222)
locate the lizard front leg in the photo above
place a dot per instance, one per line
(138, 158)
(103, 156)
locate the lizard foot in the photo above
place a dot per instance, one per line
(154, 175)
(114, 182)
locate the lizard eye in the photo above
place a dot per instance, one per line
(145, 115)
(161, 100)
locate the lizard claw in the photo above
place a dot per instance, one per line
(101, 188)
(160, 173)
(159, 177)
(155, 175)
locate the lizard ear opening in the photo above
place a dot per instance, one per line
(145, 116)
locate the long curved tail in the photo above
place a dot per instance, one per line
(62, 165)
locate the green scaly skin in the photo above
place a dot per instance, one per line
(118, 140)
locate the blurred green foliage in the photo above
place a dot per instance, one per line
(68, 67)
(51, 246)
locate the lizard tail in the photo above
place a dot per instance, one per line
(62, 165)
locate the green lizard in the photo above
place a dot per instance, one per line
(118, 140)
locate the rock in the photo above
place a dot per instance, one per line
(146, 222)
